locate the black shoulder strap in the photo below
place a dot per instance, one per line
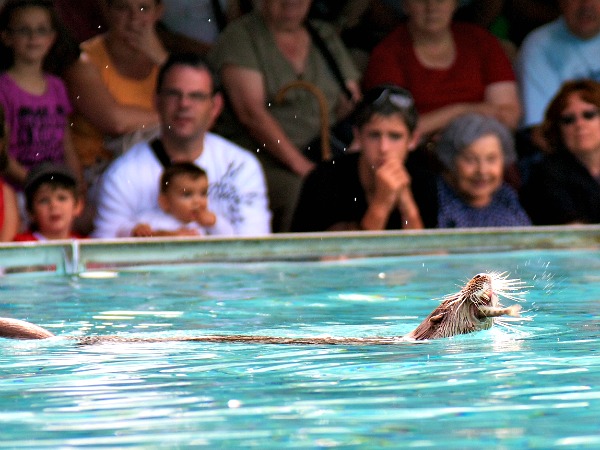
(331, 62)
(219, 14)
(159, 151)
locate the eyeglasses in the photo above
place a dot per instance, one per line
(176, 95)
(25, 32)
(570, 119)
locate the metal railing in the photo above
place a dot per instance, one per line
(76, 256)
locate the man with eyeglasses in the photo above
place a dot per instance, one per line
(188, 102)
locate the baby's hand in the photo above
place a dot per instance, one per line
(206, 218)
(141, 230)
(186, 232)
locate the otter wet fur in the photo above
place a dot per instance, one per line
(475, 307)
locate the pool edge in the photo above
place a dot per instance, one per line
(75, 256)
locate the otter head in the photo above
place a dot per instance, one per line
(480, 296)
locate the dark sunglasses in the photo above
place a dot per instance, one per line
(569, 119)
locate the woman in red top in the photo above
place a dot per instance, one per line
(450, 68)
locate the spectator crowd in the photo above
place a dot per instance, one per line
(141, 118)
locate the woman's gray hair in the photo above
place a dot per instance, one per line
(466, 129)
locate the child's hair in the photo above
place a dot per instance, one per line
(177, 169)
(55, 175)
(386, 100)
(63, 53)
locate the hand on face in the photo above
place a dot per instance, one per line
(145, 40)
(135, 22)
(391, 178)
(205, 218)
(142, 38)
(385, 143)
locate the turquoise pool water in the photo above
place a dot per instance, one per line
(536, 385)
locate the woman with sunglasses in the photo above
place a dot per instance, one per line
(564, 187)
(374, 188)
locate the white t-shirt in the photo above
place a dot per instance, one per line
(549, 56)
(237, 189)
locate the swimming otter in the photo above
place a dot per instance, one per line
(471, 309)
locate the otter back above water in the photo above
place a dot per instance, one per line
(475, 307)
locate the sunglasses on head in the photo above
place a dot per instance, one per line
(569, 119)
(397, 97)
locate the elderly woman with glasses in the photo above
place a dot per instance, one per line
(564, 187)
(474, 152)
(372, 189)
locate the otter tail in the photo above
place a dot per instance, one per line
(19, 329)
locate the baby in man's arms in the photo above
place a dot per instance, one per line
(183, 202)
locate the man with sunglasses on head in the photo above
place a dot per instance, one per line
(188, 102)
(378, 187)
